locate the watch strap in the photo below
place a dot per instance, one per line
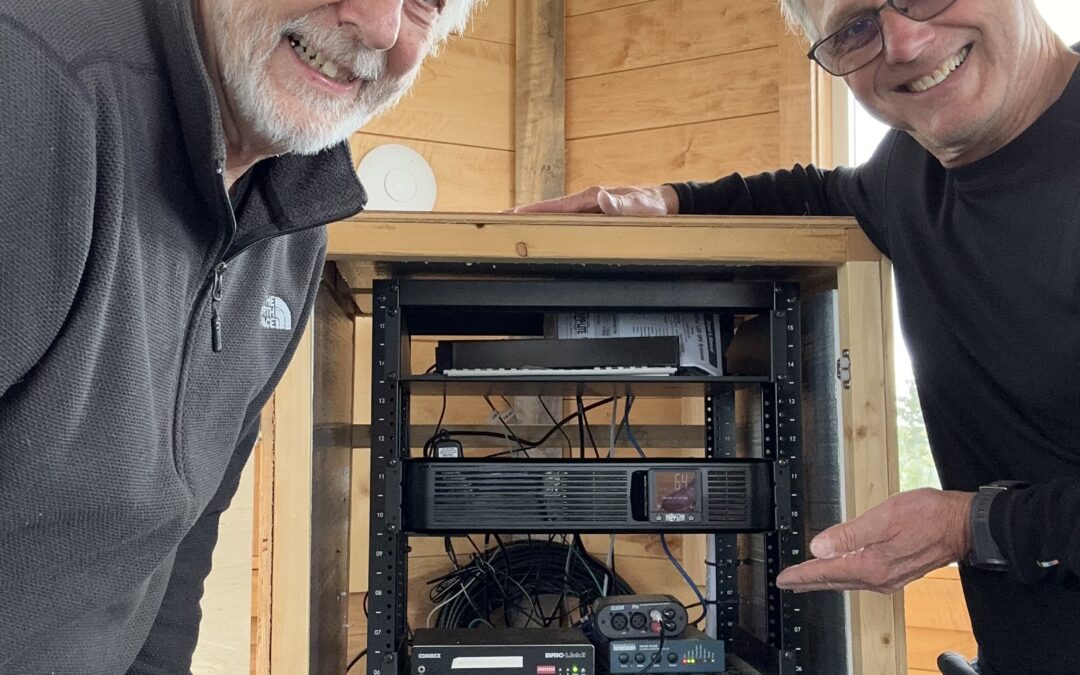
(985, 553)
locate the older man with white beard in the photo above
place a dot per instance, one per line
(168, 167)
(973, 195)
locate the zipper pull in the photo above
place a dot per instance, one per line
(215, 318)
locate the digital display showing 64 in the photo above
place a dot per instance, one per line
(675, 492)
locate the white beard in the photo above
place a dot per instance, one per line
(294, 116)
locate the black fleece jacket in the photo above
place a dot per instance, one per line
(122, 429)
(987, 266)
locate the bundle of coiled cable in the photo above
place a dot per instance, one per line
(504, 585)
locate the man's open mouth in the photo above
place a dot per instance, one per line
(941, 74)
(331, 69)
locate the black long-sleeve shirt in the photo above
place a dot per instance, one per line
(987, 266)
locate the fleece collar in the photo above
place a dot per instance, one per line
(289, 192)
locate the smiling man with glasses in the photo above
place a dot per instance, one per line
(859, 41)
(975, 196)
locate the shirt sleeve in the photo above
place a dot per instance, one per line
(858, 192)
(1038, 531)
(46, 198)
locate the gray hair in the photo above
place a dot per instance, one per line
(453, 20)
(798, 18)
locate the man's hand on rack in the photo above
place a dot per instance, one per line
(657, 200)
(889, 546)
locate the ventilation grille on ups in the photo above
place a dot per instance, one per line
(728, 496)
(509, 497)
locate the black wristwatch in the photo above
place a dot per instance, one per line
(985, 553)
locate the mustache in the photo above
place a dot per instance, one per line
(339, 46)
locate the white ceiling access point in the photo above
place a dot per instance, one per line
(397, 178)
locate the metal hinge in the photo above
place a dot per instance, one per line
(843, 368)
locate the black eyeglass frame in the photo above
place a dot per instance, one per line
(875, 16)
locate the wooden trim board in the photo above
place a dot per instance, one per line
(877, 621)
(384, 236)
(291, 610)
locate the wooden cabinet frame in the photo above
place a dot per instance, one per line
(821, 253)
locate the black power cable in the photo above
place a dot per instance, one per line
(514, 576)
(583, 421)
(569, 443)
(356, 659)
(523, 442)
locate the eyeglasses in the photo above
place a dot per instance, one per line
(860, 40)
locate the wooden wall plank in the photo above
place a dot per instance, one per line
(733, 85)
(927, 643)
(469, 179)
(494, 22)
(666, 31)
(936, 603)
(703, 151)
(575, 7)
(795, 73)
(540, 117)
(464, 96)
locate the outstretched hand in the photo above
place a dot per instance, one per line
(614, 201)
(889, 546)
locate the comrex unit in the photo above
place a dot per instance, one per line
(694, 652)
(502, 651)
(639, 616)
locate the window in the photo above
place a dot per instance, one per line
(864, 134)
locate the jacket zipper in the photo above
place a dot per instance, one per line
(215, 317)
(217, 342)
(216, 334)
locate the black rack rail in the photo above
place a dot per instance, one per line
(407, 308)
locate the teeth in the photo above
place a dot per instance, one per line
(319, 62)
(941, 74)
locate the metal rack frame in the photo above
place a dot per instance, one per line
(407, 307)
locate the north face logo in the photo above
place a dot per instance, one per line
(275, 314)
